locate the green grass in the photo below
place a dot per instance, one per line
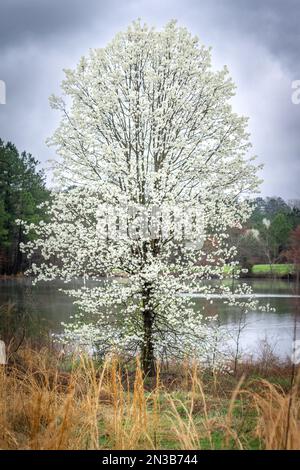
(278, 269)
(259, 270)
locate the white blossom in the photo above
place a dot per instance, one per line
(146, 123)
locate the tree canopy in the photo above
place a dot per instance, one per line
(158, 161)
(22, 189)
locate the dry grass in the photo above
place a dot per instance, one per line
(278, 424)
(111, 406)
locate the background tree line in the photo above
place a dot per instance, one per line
(270, 232)
(22, 189)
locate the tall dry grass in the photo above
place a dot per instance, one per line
(278, 424)
(113, 407)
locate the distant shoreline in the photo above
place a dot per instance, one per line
(258, 271)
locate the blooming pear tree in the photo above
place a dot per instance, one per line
(152, 168)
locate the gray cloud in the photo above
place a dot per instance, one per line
(271, 23)
(36, 20)
(259, 41)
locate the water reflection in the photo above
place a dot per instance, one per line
(47, 305)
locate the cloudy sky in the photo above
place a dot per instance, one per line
(259, 40)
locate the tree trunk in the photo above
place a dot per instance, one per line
(17, 257)
(148, 360)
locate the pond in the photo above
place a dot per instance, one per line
(48, 307)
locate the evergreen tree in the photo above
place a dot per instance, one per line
(22, 189)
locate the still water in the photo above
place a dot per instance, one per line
(49, 307)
